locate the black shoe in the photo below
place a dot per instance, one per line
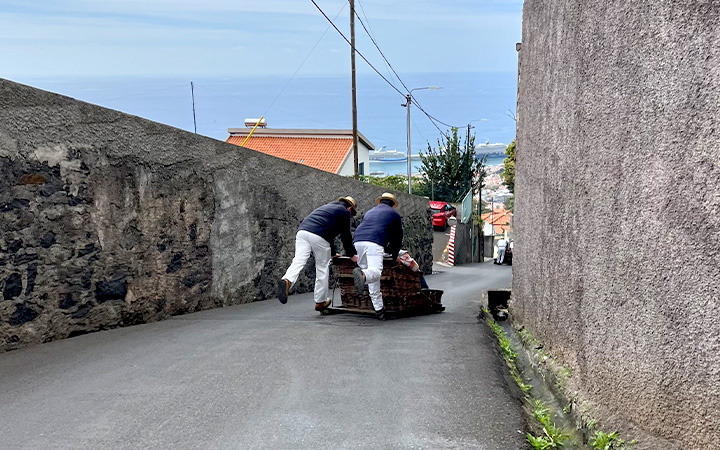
(359, 280)
(380, 315)
(283, 288)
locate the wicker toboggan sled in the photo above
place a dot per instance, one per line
(401, 289)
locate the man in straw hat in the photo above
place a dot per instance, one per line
(317, 234)
(380, 231)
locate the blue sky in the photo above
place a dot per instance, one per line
(249, 58)
(233, 37)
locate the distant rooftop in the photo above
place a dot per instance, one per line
(322, 149)
(301, 133)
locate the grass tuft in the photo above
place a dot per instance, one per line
(551, 437)
(607, 441)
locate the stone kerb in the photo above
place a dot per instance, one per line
(111, 220)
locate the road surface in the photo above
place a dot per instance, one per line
(440, 242)
(272, 376)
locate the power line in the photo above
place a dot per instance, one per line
(381, 53)
(291, 78)
(369, 33)
(291, 113)
(356, 50)
(436, 119)
(431, 118)
(303, 62)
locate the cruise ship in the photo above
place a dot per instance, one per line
(489, 149)
(387, 155)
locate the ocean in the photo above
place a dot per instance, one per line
(400, 167)
(312, 102)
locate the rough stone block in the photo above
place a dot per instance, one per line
(13, 286)
(23, 313)
(31, 276)
(115, 289)
(67, 301)
(175, 263)
(14, 204)
(47, 240)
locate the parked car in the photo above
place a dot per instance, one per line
(442, 211)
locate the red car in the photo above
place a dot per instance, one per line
(442, 211)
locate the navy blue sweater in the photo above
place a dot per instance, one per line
(327, 222)
(383, 226)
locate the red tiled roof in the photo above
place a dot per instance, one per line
(325, 154)
(499, 219)
(500, 229)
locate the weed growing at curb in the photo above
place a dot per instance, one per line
(509, 353)
(608, 441)
(551, 437)
(505, 344)
(554, 437)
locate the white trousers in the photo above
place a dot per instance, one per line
(370, 260)
(305, 243)
(501, 255)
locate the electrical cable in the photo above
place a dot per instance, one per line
(372, 38)
(291, 78)
(225, 94)
(304, 61)
(419, 131)
(436, 119)
(431, 118)
(356, 50)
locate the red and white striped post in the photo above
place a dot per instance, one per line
(451, 246)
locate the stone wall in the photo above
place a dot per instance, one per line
(110, 220)
(617, 213)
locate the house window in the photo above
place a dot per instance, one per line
(361, 168)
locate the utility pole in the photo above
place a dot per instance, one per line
(492, 219)
(471, 154)
(408, 102)
(467, 142)
(354, 96)
(192, 93)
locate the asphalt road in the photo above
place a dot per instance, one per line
(272, 376)
(440, 242)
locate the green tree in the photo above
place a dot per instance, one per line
(395, 182)
(451, 170)
(509, 203)
(508, 174)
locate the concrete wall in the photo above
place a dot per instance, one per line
(469, 243)
(617, 212)
(347, 168)
(109, 220)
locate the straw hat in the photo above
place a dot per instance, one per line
(387, 196)
(351, 201)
